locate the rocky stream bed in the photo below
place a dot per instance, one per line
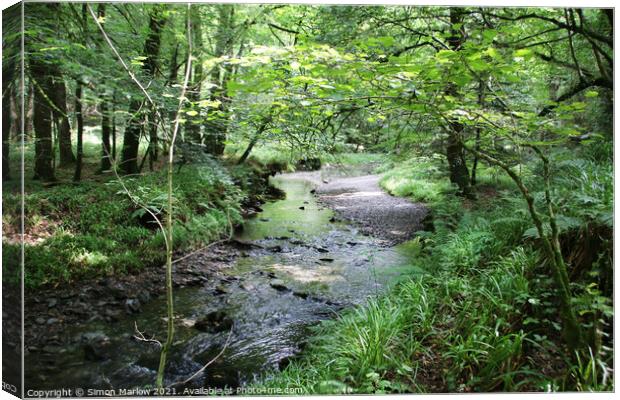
(334, 241)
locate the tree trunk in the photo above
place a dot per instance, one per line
(131, 140)
(6, 128)
(192, 128)
(478, 132)
(8, 88)
(154, 140)
(42, 121)
(113, 128)
(172, 79)
(29, 110)
(80, 131)
(58, 96)
(131, 137)
(254, 140)
(457, 164)
(216, 130)
(106, 128)
(572, 332)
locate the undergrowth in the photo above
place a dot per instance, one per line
(91, 229)
(485, 315)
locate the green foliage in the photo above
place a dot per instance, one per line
(485, 314)
(420, 179)
(95, 229)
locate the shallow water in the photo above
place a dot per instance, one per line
(306, 270)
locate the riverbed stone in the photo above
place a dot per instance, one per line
(96, 346)
(213, 322)
(132, 306)
(278, 284)
(220, 290)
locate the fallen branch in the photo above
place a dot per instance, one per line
(139, 336)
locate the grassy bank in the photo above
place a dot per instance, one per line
(485, 317)
(91, 229)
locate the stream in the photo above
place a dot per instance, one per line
(302, 266)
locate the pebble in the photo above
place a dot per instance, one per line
(278, 285)
(132, 306)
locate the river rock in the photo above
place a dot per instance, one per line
(301, 295)
(220, 290)
(51, 349)
(40, 320)
(144, 296)
(187, 322)
(96, 346)
(52, 303)
(118, 291)
(112, 314)
(216, 321)
(66, 296)
(278, 284)
(132, 306)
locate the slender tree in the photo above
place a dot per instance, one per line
(42, 120)
(77, 176)
(58, 95)
(455, 153)
(10, 49)
(216, 129)
(131, 137)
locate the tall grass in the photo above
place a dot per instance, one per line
(484, 317)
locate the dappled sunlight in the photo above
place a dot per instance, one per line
(353, 195)
(301, 273)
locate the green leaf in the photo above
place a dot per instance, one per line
(489, 34)
(524, 53)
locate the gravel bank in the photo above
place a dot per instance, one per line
(360, 199)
